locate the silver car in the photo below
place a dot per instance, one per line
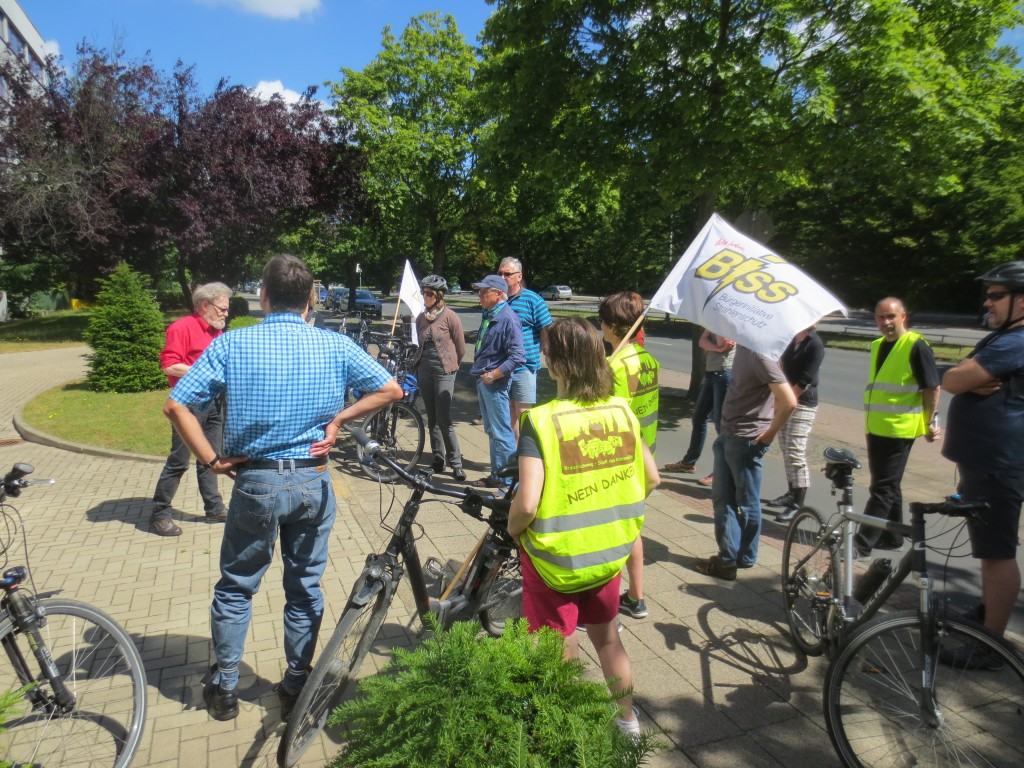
(556, 292)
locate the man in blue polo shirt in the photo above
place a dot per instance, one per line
(284, 383)
(534, 317)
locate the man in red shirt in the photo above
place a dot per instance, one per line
(187, 339)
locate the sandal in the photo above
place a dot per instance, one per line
(678, 466)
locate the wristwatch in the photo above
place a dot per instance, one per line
(211, 462)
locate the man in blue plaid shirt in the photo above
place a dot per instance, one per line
(284, 383)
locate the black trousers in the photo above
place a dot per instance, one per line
(887, 460)
(177, 464)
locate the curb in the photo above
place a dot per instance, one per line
(33, 435)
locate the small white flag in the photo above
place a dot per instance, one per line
(737, 288)
(409, 293)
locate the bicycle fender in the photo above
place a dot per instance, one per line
(366, 591)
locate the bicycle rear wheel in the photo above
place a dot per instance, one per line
(808, 573)
(338, 664)
(399, 430)
(101, 668)
(502, 598)
(972, 714)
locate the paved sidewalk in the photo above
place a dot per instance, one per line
(713, 666)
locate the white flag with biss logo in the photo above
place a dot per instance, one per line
(737, 288)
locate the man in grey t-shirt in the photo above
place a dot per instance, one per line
(758, 403)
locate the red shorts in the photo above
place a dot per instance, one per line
(545, 607)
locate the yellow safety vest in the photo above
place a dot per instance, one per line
(893, 406)
(636, 379)
(592, 505)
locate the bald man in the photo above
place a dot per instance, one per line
(900, 400)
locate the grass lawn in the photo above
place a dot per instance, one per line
(132, 422)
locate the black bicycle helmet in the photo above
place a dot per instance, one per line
(1010, 274)
(435, 283)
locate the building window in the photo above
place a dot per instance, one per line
(16, 42)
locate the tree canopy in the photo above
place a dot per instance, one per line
(115, 162)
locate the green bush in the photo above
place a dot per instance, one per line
(238, 306)
(126, 333)
(460, 701)
(242, 321)
(11, 703)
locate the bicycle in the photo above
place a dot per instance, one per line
(488, 585)
(398, 427)
(86, 705)
(909, 687)
(361, 336)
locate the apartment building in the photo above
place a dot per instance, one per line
(20, 40)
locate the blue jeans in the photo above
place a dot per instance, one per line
(299, 506)
(497, 423)
(709, 403)
(736, 498)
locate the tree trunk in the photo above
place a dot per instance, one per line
(186, 289)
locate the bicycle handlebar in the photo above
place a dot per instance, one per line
(14, 480)
(471, 500)
(952, 507)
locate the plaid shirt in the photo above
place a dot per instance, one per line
(283, 379)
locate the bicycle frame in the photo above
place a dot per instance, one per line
(402, 555)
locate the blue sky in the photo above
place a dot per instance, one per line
(271, 45)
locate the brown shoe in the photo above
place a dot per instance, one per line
(678, 466)
(219, 517)
(706, 481)
(165, 527)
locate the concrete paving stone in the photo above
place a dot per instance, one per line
(741, 750)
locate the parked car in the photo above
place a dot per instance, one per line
(454, 288)
(556, 292)
(332, 303)
(337, 301)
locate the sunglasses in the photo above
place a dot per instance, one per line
(507, 274)
(428, 292)
(996, 295)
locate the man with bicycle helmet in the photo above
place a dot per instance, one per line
(985, 437)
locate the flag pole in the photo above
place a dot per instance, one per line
(398, 308)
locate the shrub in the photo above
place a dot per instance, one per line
(242, 321)
(126, 333)
(11, 703)
(460, 701)
(238, 306)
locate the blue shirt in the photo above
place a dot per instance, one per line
(284, 381)
(534, 317)
(501, 345)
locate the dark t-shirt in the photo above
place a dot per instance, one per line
(529, 445)
(800, 363)
(922, 362)
(749, 403)
(987, 432)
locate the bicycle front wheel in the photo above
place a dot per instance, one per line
(337, 666)
(502, 599)
(884, 708)
(101, 668)
(399, 430)
(808, 575)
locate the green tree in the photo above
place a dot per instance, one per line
(412, 112)
(126, 333)
(839, 118)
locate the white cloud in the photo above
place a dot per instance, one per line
(51, 48)
(265, 89)
(276, 9)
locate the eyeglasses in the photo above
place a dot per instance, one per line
(428, 292)
(222, 310)
(996, 295)
(507, 274)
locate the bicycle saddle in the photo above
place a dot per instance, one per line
(841, 456)
(511, 469)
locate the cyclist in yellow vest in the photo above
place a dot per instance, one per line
(584, 472)
(636, 379)
(900, 400)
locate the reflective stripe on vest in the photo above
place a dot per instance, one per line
(893, 404)
(592, 504)
(636, 379)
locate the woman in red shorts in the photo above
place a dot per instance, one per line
(584, 473)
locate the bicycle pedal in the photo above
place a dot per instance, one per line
(434, 567)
